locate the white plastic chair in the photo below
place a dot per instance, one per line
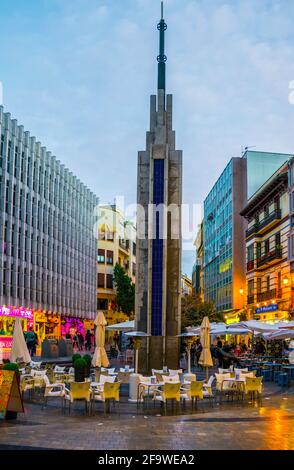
(35, 365)
(53, 390)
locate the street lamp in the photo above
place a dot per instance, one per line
(286, 281)
(137, 335)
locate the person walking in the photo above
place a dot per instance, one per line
(88, 345)
(75, 342)
(32, 341)
(80, 341)
(116, 340)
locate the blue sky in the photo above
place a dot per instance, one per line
(78, 75)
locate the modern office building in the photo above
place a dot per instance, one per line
(116, 245)
(269, 296)
(198, 271)
(224, 228)
(47, 245)
(224, 256)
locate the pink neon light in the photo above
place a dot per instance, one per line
(16, 312)
(5, 343)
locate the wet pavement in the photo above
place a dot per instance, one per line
(225, 426)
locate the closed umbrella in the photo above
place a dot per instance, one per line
(100, 358)
(205, 357)
(19, 350)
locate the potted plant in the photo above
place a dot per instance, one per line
(13, 367)
(75, 357)
(80, 366)
(88, 360)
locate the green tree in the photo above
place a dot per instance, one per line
(194, 310)
(125, 290)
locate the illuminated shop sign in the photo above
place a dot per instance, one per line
(225, 265)
(16, 312)
(5, 342)
(267, 308)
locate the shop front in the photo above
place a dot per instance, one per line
(70, 326)
(271, 313)
(47, 325)
(7, 320)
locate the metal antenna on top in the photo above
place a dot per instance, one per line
(162, 10)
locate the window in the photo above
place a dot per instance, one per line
(266, 246)
(109, 281)
(278, 240)
(250, 287)
(268, 283)
(101, 280)
(134, 248)
(101, 256)
(258, 285)
(258, 250)
(109, 257)
(250, 252)
(277, 203)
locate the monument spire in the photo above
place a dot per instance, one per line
(161, 58)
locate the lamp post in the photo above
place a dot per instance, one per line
(190, 339)
(135, 378)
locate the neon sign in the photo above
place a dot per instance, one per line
(16, 312)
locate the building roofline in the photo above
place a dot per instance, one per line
(279, 177)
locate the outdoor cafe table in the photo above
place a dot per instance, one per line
(289, 370)
(236, 385)
(147, 384)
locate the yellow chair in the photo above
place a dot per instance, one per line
(78, 391)
(193, 392)
(170, 391)
(109, 393)
(253, 387)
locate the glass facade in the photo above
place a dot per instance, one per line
(218, 221)
(260, 167)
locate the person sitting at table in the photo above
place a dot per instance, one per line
(237, 350)
(243, 346)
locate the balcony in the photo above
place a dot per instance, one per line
(265, 223)
(268, 295)
(124, 245)
(269, 257)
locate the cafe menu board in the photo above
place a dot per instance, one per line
(10, 396)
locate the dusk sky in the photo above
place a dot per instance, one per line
(78, 75)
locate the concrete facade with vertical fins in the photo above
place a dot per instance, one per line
(48, 249)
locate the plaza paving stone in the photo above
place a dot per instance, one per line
(225, 426)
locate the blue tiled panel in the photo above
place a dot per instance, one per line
(157, 252)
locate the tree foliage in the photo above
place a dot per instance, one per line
(194, 310)
(125, 290)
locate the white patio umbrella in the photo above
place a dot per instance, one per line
(124, 326)
(255, 325)
(205, 357)
(281, 334)
(100, 358)
(19, 350)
